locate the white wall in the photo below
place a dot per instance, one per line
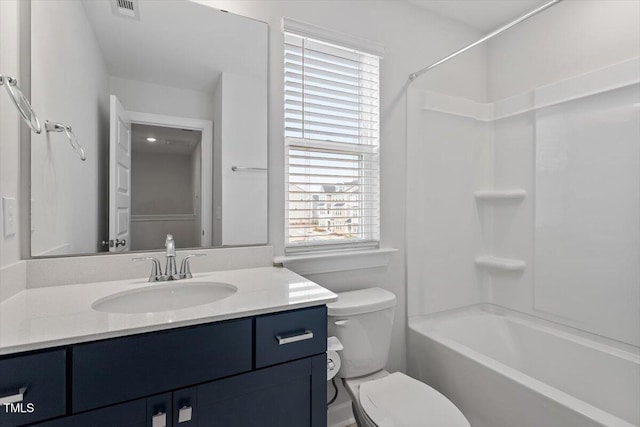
(150, 234)
(9, 124)
(162, 190)
(12, 271)
(242, 143)
(217, 164)
(68, 195)
(196, 177)
(161, 183)
(572, 37)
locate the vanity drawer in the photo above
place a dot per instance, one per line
(34, 387)
(291, 335)
(112, 371)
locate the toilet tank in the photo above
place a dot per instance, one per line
(362, 321)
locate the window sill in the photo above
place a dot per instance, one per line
(329, 262)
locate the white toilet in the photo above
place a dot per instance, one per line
(362, 321)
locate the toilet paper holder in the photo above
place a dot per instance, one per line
(333, 359)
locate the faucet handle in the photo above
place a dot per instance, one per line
(185, 271)
(156, 269)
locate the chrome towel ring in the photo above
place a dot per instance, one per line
(21, 102)
(59, 127)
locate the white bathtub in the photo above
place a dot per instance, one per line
(505, 369)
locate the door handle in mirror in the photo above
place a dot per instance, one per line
(114, 243)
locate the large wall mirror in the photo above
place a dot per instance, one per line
(168, 103)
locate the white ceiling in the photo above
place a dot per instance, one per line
(168, 140)
(484, 15)
(178, 43)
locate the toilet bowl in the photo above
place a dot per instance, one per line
(362, 320)
(395, 400)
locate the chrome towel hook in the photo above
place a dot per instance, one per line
(59, 127)
(21, 102)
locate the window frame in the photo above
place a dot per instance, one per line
(367, 153)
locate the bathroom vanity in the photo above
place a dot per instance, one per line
(254, 358)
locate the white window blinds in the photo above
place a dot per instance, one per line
(332, 138)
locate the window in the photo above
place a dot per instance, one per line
(331, 99)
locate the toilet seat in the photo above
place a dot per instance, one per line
(401, 401)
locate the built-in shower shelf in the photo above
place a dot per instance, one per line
(495, 263)
(516, 194)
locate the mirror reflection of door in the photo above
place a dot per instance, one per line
(119, 178)
(165, 182)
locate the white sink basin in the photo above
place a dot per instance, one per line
(164, 297)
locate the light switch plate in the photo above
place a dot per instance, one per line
(9, 216)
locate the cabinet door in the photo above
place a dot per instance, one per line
(33, 388)
(130, 414)
(185, 408)
(138, 413)
(121, 369)
(280, 396)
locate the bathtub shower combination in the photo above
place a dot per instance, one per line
(502, 368)
(523, 246)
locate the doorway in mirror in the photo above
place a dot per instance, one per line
(165, 186)
(171, 174)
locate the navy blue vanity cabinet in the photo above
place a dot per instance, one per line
(279, 396)
(117, 370)
(287, 388)
(32, 387)
(262, 371)
(281, 337)
(137, 413)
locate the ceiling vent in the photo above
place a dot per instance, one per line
(126, 8)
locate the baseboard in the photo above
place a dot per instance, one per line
(340, 415)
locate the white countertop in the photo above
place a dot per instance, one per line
(60, 315)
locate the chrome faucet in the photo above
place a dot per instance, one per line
(170, 270)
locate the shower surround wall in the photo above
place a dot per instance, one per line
(569, 241)
(600, 291)
(592, 280)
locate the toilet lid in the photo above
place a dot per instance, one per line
(400, 401)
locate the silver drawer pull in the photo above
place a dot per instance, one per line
(14, 398)
(159, 420)
(306, 335)
(184, 414)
